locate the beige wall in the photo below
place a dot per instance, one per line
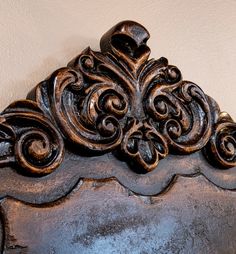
(39, 36)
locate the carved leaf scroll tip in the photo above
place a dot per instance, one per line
(127, 41)
(221, 148)
(33, 144)
(116, 100)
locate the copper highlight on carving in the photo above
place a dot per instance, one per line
(117, 100)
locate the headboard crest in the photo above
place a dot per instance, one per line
(120, 101)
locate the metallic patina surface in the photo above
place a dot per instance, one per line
(116, 153)
(102, 216)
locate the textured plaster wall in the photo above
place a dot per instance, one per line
(39, 36)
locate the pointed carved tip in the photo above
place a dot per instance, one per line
(129, 28)
(130, 34)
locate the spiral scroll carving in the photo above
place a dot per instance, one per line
(221, 149)
(34, 145)
(116, 100)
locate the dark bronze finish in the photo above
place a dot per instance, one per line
(120, 101)
(118, 119)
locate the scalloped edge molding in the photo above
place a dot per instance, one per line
(120, 103)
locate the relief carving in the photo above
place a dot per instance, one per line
(119, 101)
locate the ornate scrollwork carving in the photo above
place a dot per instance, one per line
(117, 100)
(29, 140)
(221, 148)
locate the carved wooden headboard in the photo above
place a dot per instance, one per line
(89, 160)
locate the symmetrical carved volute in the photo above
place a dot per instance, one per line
(120, 101)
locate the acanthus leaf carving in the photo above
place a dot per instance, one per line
(30, 139)
(117, 100)
(221, 148)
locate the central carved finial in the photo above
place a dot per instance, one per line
(119, 100)
(138, 106)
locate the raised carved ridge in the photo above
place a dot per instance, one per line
(119, 101)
